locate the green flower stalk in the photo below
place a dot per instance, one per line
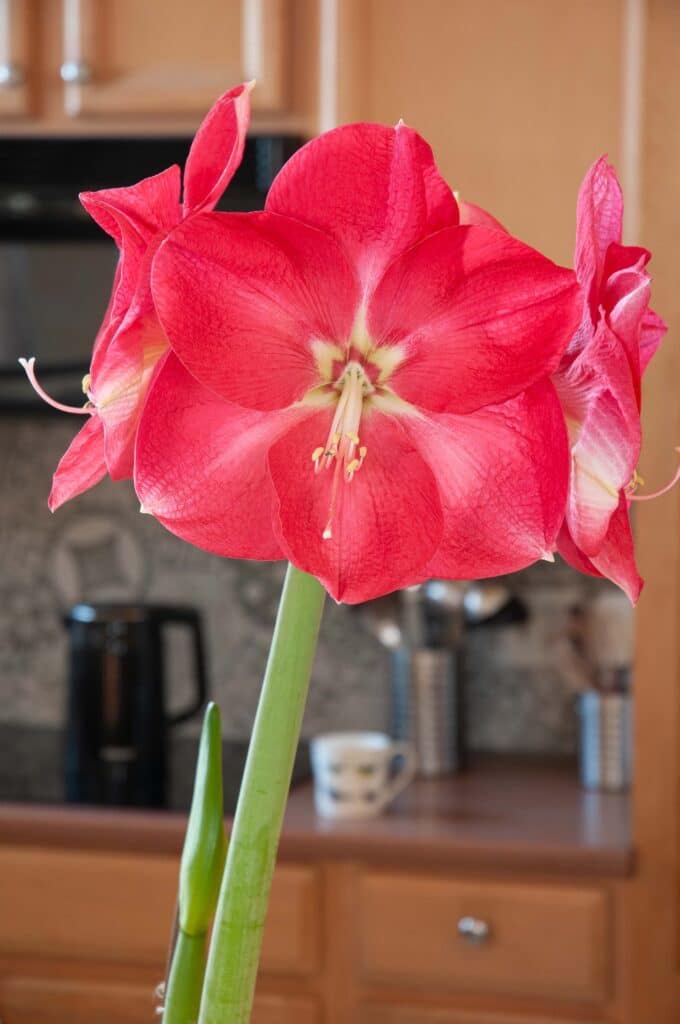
(239, 923)
(201, 868)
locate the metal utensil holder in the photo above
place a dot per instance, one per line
(606, 739)
(427, 708)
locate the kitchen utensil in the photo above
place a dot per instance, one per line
(427, 708)
(490, 603)
(353, 775)
(606, 739)
(116, 733)
(443, 612)
(412, 615)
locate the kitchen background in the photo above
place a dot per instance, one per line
(522, 678)
(517, 98)
(100, 548)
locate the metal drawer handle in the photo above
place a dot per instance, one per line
(75, 72)
(473, 930)
(11, 75)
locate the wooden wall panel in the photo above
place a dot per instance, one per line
(655, 961)
(517, 98)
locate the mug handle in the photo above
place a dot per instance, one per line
(404, 776)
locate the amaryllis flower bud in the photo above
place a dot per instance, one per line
(131, 343)
(358, 383)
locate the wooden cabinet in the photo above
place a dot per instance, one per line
(83, 66)
(83, 936)
(503, 939)
(159, 59)
(15, 59)
(34, 1000)
(117, 908)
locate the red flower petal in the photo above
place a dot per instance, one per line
(201, 466)
(615, 559)
(134, 354)
(243, 296)
(121, 376)
(376, 189)
(599, 400)
(652, 331)
(502, 475)
(217, 150)
(472, 214)
(132, 216)
(387, 521)
(599, 219)
(478, 316)
(82, 465)
(150, 206)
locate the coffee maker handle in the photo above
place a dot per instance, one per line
(190, 618)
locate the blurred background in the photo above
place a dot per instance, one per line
(517, 99)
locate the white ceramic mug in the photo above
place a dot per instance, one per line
(353, 775)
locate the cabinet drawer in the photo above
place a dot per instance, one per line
(118, 908)
(542, 941)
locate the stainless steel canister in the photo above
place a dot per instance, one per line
(606, 739)
(427, 707)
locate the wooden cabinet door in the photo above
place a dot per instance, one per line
(14, 58)
(35, 1000)
(170, 58)
(115, 908)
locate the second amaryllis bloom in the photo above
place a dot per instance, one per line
(358, 383)
(599, 384)
(131, 342)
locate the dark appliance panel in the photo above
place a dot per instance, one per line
(57, 265)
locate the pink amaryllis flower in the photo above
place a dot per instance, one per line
(599, 381)
(358, 383)
(131, 342)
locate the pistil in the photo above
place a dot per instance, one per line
(84, 410)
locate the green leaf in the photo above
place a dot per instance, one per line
(205, 844)
(183, 991)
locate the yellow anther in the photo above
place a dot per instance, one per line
(87, 380)
(353, 467)
(354, 438)
(317, 453)
(635, 481)
(362, 452)
(335, 439)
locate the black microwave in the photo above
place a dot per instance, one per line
(57, 265)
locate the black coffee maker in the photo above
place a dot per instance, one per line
(116, 732)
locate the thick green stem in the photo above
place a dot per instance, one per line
(239, 922)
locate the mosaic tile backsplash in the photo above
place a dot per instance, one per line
(98, 548)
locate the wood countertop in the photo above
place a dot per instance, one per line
(500, 815)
